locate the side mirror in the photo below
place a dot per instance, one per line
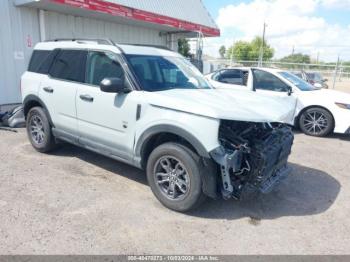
(114, 85)
(324, 80)
(290, 91)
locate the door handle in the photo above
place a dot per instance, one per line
(48, 89)
(86, 98)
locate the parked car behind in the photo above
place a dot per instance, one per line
(314, 78)
(151, 108)
(317, 112)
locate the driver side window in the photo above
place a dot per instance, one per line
(101, 65)
(266, 81)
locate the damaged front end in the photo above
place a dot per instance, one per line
(252, 156)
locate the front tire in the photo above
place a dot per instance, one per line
(39, 130)
(316, 122)
(174, 175)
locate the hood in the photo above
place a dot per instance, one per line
(223, 104)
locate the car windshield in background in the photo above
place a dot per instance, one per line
(298, 82)
(158, 73)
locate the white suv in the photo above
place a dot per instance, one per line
(150, 108)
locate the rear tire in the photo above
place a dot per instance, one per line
(316, 122)
(39, 130)
(174, 175)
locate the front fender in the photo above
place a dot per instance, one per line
(200, 131)
(172, 129)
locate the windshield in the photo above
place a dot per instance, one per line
(298, 82)
(158, 73)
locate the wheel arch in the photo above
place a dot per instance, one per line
(296, 120)
(32, 101)
(163, 133)
(160, 134)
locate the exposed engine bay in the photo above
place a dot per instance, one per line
(252, 157)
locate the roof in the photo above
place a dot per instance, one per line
(167, 15)
(187, 10)
(267, 69)
(93, 44)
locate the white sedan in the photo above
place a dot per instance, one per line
(318, 112)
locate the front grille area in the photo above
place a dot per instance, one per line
(255, 154)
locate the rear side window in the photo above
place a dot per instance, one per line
(234, 77)
(69, 65)
(40, 61)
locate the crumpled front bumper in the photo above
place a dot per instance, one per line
(267, 163)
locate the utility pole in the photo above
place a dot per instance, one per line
(261, 56)
(336, 72)
(231, 56)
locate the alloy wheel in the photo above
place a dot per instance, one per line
(315, 122)
(37, 129)
(172, 177)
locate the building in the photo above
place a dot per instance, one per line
(26, 22)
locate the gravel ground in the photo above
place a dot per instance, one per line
(77, 202)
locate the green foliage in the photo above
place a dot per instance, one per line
(243, 50)
(184, 47)
(297, 58)
(222, 51)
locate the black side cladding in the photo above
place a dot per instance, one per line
(260, 152)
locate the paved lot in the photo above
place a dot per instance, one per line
(343, 85)
(76, 202)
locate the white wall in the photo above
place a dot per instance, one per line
(68, 26)
(18, 33)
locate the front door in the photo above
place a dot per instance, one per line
(269, 84)
(106, 121)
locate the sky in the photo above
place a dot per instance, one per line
(319, 28)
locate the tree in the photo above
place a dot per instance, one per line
(296, 58)
(243, 50)
(222, 51)
(184, 47)
(256, 45)
(239, 51)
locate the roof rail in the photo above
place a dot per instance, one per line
(155, 46)
(101, 41)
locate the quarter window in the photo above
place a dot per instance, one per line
(41, 61)
(102, 65)
(266, 81)
(69, 65)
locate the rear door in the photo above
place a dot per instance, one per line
(58, 89)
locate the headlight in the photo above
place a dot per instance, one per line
(342, 105)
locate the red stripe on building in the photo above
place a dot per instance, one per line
(136, 14)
